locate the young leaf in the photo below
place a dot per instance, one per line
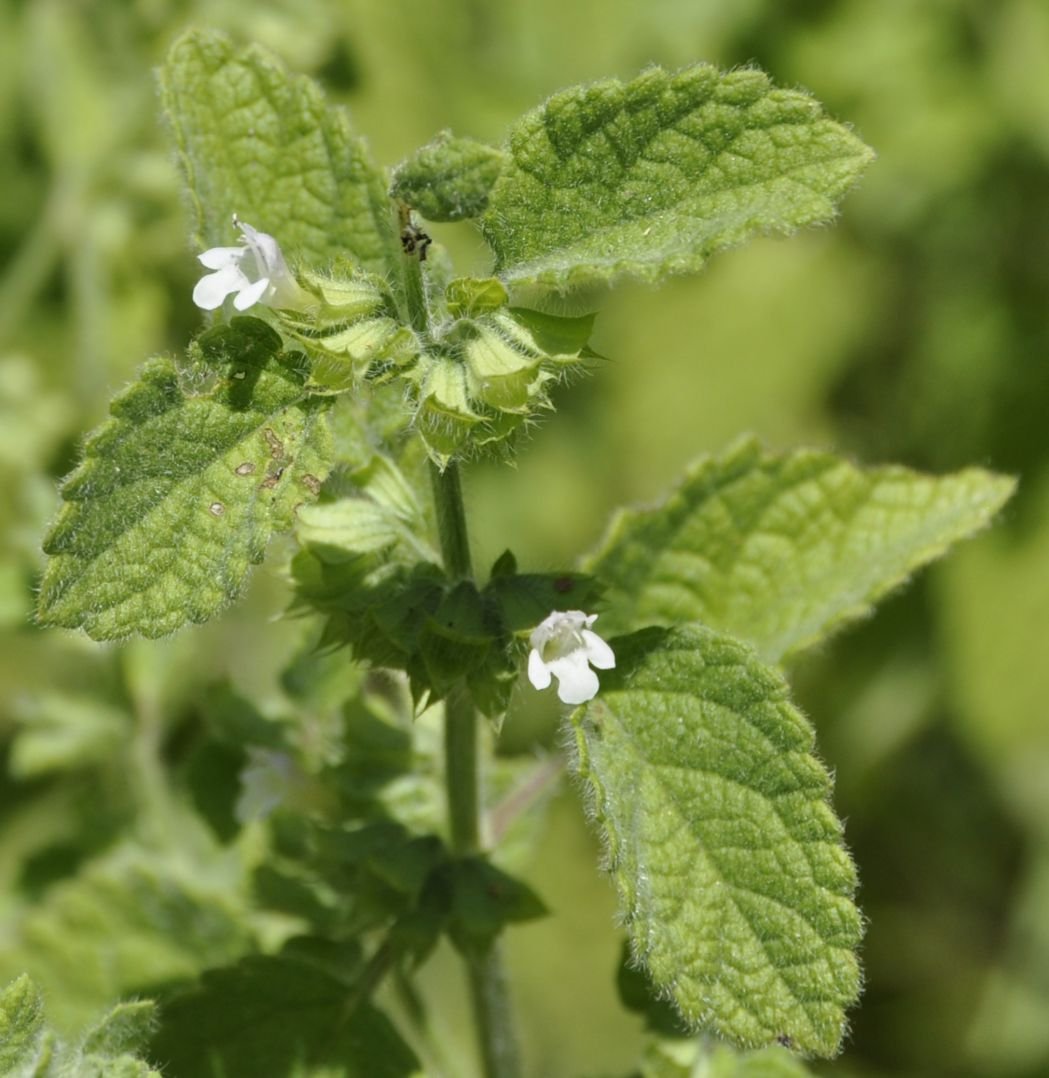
(650, 178)
(180, 492)
(781, 550)
(125, 1028)
(277, 1015)
(261, 143)
(29, 1050)
(736, 889)
(21, 1026)
(448, 179)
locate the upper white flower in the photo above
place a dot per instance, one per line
(563, 646)
(255, 271)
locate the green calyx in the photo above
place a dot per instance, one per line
(394, 610)
(490, 368)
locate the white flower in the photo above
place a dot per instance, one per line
(255, 271)
(267, 780)
(564, 647)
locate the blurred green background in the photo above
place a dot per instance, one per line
(915, 329)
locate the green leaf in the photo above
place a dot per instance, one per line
(180, 492)
(29, 1050)
(679, 1059)
(125, 1028)
(258, 142)
(449, 178)
(781, 550)
(642, 180)
(277, 1015)
(128, 922)
(735, 885)
(21, 1025)
(484, 901)
(59, 731)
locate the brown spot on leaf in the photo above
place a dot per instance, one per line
(563, 585)
(311, 483)
(245, 469)
(271, 480)
(276, 446)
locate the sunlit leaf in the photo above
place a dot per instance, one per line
(181, 490)
(649, 178)
(265, 145)
(734, 883)
(782, 549)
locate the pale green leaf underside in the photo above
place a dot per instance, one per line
(735, 886)
(781, 549)
(178, 495)
(256, 141)
(650, 178)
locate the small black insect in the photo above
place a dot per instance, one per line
(414, 240)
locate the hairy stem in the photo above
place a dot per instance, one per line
(488, 989)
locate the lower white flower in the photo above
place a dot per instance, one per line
(564, 647)
(253, 273)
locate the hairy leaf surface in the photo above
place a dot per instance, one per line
(782, 549)
(449, 178)
(650, 178)
(735, 885)
(21, 1025)
(181, 490)
(28, 1049)
(258, 142)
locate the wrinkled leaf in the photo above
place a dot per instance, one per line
(647, 179)
(782, 549)
(449, 178)
(734, 883)
(256, 141)
(181, 490)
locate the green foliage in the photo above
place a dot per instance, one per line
(130, 922)
(284, 1015)
(449, 179)
(259, 143)
(647, 179)
(734, 882)
(109, 1049)
(685, 1060)
(782, 549)
(916, 333)
(21, 1025)
(181, 490)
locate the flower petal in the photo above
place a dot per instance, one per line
(213, 288)
(598, 652)
(250, 294)
(538, 671)
(220, 257)
(576, 682)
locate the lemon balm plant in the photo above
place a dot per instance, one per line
(346, 377)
